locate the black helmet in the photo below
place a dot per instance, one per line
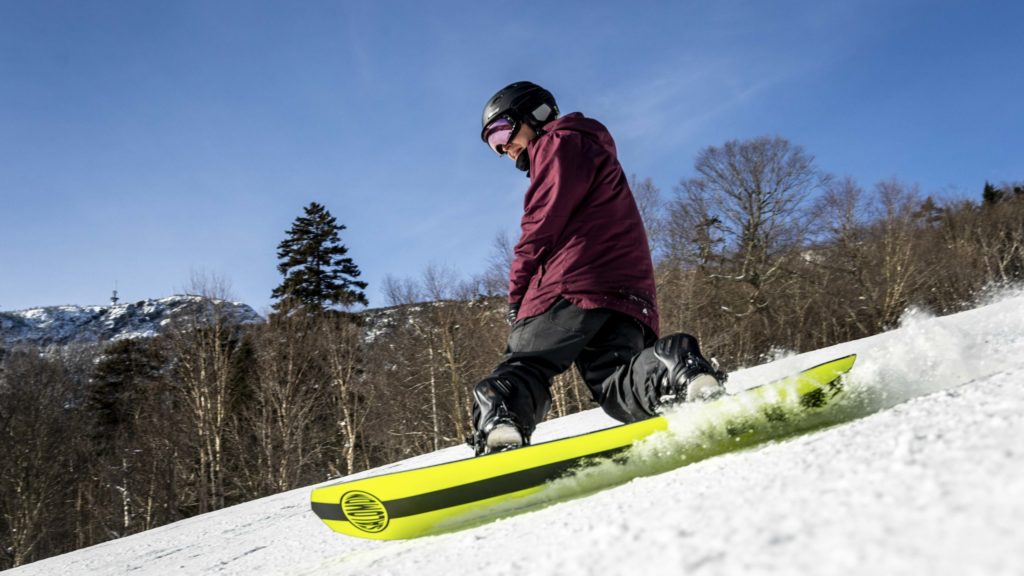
(520, 102)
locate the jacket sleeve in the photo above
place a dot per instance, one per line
(562, 173)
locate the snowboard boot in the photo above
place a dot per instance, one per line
(503, 434)
(687, 376)
(498, 429)
(499, 435)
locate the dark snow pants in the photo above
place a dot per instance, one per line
(610, 349)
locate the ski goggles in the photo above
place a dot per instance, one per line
(498, 134)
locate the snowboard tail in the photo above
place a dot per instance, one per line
(452, 495)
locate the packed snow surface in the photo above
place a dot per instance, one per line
(921, 471)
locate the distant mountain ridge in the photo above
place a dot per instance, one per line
(63, 325)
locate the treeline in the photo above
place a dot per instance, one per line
(758, 251)
(761, 250)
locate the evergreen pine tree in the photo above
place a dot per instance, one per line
(318, 276)
(120, 379)
(991, 195)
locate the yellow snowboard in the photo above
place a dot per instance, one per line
(454, 495)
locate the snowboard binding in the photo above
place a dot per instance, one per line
(500, 435)
(687, 376)
(497, 427)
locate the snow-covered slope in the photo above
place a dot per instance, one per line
(924, 476)
(60, 325)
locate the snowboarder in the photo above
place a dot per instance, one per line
(581, 286)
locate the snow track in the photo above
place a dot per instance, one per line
(927, 478)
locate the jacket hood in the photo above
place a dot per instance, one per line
(592, 129)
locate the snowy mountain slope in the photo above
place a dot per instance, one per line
(60, 325)
(925, 474)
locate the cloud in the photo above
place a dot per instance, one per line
(672, 104)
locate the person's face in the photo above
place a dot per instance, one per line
(517, 145)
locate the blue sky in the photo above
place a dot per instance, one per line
(142, 141)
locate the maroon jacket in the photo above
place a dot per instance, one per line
(582, 236)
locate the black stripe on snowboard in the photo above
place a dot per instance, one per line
(474, 491)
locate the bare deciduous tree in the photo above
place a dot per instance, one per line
(288, 392)
(352, 399)
(748, 200)
(648, 201)
(203, 341)
(494, 280)
(36, 429)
